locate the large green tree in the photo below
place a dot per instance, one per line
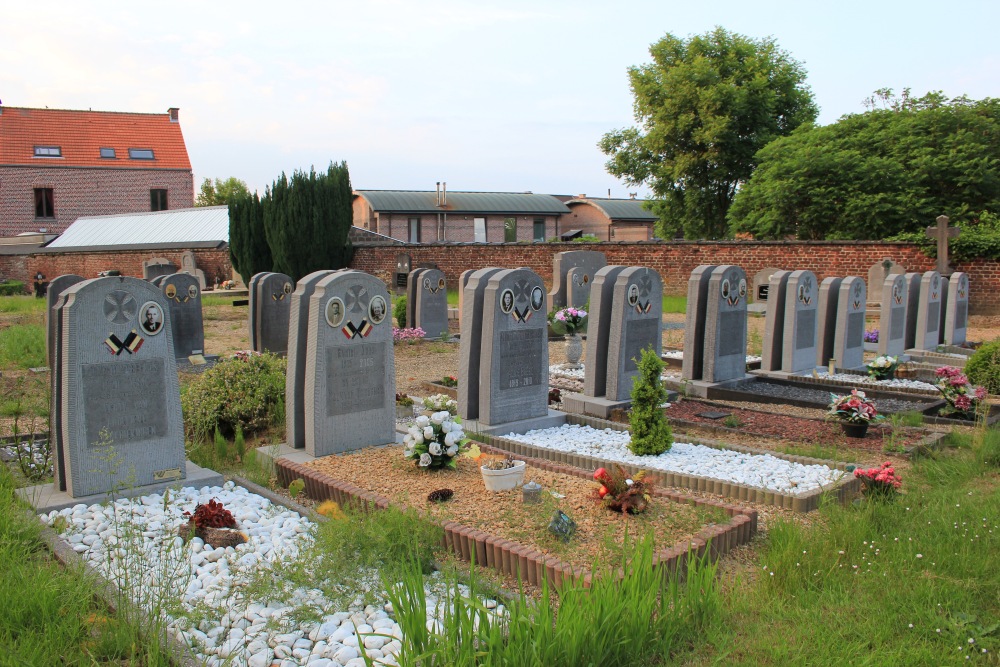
(248, 248)
(307, 220)
(705, 106)
(220, 191)
(872, 175)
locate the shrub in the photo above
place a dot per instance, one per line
(249, 393)
(399, 311)
(650, 431)
(11, 288)
(587, 238)
(983, 367)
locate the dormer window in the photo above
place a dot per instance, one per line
(108, 153)
(48, 151)
(140, 153)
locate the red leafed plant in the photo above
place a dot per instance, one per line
(212, 515)
(619, 492)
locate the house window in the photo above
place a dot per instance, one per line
(510, 230)
(539, 230)
(108, 153)
(479, 230)
(44, 203)
(414, 230)
(48, 151)
(140, 153)
(157, 200)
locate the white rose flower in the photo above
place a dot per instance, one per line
(425, 459)
(444, 414)
(449, 439)
(407, 439)
(451, 451)
(413, 431)
(407, 453)
(436, 418)
(428, 433)
(459, 434)
(434, 448)
(423, 421)
(418, 439)
(447, 426)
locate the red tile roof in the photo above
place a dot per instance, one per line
(81, 135)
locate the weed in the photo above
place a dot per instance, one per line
(22, 346)
(732, 421)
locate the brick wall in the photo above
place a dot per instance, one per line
(675, 260)
(81, 191)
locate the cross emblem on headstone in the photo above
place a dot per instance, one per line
(942, 232)
(120, 307)
(354, 296)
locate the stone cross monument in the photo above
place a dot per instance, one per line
(941, 233)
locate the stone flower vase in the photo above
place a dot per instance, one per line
(854, 429)
(574, 350)
(503, 480)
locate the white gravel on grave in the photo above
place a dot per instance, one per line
(151, 560)
(679, 354)
(559, 370)
(758, 470)
(898, 383)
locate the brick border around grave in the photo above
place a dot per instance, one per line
(438, 388)
(532, 565)
(843, 490)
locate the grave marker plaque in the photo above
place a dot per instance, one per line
(579, 280)
(470, 342)
(849, 341)
(892, 316)
(274, 291)
(635, 325)
(829, 298)
(774, 321)
(183, 294)
(588, 260)
(762, 284)
(595, 372)
(430, 306)
(726, 325)
(928, 331)
(956, 318)
(801, 303)
(695, 315)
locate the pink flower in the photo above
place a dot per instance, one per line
(963, 402)
(980, 393)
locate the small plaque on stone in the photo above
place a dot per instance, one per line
(197, 360)
(562, 526)
(712, 414)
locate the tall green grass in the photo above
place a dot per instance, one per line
(21, 304)
(22, 346)
(674, 304)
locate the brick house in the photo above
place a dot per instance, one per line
(611, 219)
(57, 165)
(461, 217)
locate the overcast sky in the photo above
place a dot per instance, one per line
(496, 96)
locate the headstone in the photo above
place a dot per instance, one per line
(463, 280)
(826, 320)
(595, 375)
(295, 379)
(402, 273)
(774, 321)
(578, 285)
(253, 303)
(635, 325)
(514, 357)
(849, 341)
(588, 260)
(941, 233)
(157, 266)
(57, 286)
(55, 298)
(892, 316)
(912, 304)
(183, 295)
(762, 284)
(957, 314)
(470, 342)
(350, 379)
(412, 287)
(695, 316)
(273, 292)
(121, 412)
(430, 307)
(190, 265)
(878, 272)
(158, 280)
(801, 302)
(928, 332)
(726, 325)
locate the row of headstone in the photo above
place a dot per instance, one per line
(715, 328)
(161, 266)
(572, 276)
(270, 308)
(427, 302)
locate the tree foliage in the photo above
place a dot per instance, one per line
(705, 106)
(891, 170)
(248, 248)
(220, 192)
(307, 220)
(650, 432)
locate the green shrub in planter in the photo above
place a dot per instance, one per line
(247, 393)
(651, 434)
(983, 367)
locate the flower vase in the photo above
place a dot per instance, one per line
(854, 429)
(503, 480)
(574, 350)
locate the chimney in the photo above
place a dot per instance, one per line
(444, 193)
(174, 114)
(437, 193)
(583, 196)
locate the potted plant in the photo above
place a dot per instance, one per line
(434, 442)
(880, 483)
(404, 406)
(883, 367)
(571, 322)
(854, 412)
(502, 474)
(963, 398)
(440, 403)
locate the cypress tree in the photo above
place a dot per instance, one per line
(249, 251)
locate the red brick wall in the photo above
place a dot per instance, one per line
(676, 260)
(82, 191)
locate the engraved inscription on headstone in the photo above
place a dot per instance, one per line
(639, 335)
(898, 323)
(928, 334)
(521, 358)
(638, 299)
(146, 417)
(732, 344)
(893, 316)
(805, 329)
(357, 378)
(855, 330)
(801, 303)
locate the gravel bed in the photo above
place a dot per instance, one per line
(679, 354)
(561, 371)
(757, 470)
(134, 543)
(888, 385)
(821, 397)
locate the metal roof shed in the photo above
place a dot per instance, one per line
(206, 226)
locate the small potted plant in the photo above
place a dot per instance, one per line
(502, 474)
(449, 381)
(963, 398)
(854, 412)
(571, 322)
(883, 367)
(440, 403)
(434, 442)
(214, 524)
(622, 493)
(404, 406)
(880, 483)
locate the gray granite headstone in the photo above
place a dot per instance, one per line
(602, 292)
(158, 280)
(157, 266)
(401, 275)
(274, 292)
(774, 321)
(57, 286)
(412, 287)
(726, 325)
(54, 342)
(253, 301)
(579, 280)
(470, 342)
(183, 293)
(588, 260)
(826, 313)
(892, 316)
(350, 380)
(928, 331)
(430, 306)
(762, 284)
(295, 378)
(849, 341)
(879, 271)
(120, 404)
(695, 316)
(189, 265)
(635, 325)
(956, 319)
(514, 356)
(463, 280)
(912, 304)
(801, 302)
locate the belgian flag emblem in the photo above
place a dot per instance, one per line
(113, 344)
(133, 342)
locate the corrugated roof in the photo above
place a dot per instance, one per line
(80, 136)
(619, 209)
(183, 225)
(416, 201)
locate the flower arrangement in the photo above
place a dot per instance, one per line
(854, 408)
(228, 284)
(434, 442)
(619, 492)
(569, 321)
(963, 398)
(245, 355)
(883, 367)
(449, 381)
(555, 395)
(214, 524)
(408, 336)
(441, 403)
(871, 336)
(403, 400)
(880, 483)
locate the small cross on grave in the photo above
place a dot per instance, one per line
(942, 232)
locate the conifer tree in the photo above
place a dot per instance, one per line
(248, 248)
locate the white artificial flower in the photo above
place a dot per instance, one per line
(459, 434)
(413, 431)
(434, 448)
(446, 426)
(443, 414)
(436, 418)
(449, 439)
(451, 451)
(428, 433)
(407, 439)
(425, 459)
(418, 439)
(407, 453)
(423, 420)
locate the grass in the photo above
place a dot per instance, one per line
(816, 451)
(22, 346)
(22, 305)
(674, 304)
